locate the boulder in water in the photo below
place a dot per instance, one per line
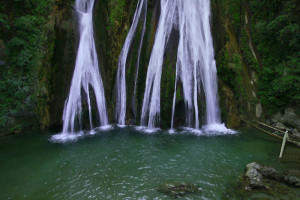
(256, 173)
(253, 176)
(176, 190)
(292, 180)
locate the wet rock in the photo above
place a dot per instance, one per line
(254, 176)
(280, 126)
(176, 190)
(296, 133)
(292, 180)
(288, 117)
(256, 173)
(271, 173)
(258, 110)
(291, 118)
(254, 76)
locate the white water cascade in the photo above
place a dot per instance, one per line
(121, 74)
(86, 74)
(195, 68)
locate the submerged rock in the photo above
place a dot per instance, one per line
(256, 173)
(254, 177)
(176, 190)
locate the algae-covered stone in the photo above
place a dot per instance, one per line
(176, 190)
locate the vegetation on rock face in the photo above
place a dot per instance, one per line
(276, 33)
(26, 75)
(264, 35)
(23, 31)
(236, 87)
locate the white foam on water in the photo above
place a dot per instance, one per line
(105, 128)
(196, 132)
(218, 129)
(72, 137)
(172, 131)
(145, 129)
(188, 130)
(92, 132)
(122, 126)
(140, 128)
(66, 137)
(208, 130)
(151, 130)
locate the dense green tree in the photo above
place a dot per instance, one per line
(276, 33)
(23, 32)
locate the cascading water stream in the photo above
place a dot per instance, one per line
(195, 68)
(86, 73)
(138, 63)
(151, 103)
(121, 74)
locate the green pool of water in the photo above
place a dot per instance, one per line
(126, 164)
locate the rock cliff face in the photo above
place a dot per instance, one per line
(238, 62)
(237, 79)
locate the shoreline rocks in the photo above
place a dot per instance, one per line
(255, 175)
(290, 120)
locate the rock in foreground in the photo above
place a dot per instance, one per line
(176, 190)
(255, 175)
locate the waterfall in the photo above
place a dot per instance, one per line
(138, 62)
(86, 74)
(121, 74)
(151, 103)
(195, 67)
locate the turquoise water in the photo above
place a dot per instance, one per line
(126, 164)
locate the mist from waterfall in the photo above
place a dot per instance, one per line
(121, 74)
(86, 74)
(195, 68)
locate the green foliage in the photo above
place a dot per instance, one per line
(15, 97)
(229, 71)
(246, 50)
(234, 10)
(280, 86)
(24, 23)
(4, 25)
(275, 31)
(116, 14)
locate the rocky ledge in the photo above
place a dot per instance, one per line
(256, 174)
(288, 120)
